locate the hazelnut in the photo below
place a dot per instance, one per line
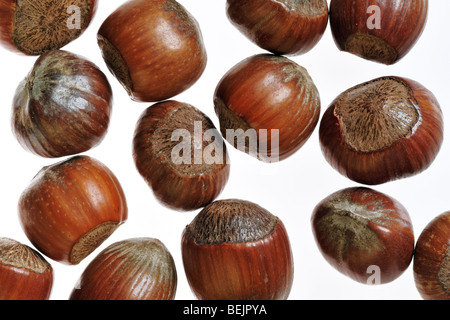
(63, 106)
(154, 48)
(32, 27)
(24, 272)
(280, 26)
(432, 259)
(132, 269)
(268, 106)
(71, 207)
(381, 31)
(382, 130)
(237, 250)
(364, 234)
(181, 155)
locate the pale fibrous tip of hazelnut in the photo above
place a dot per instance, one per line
(231, 221)
(18, 255)
(142, 252)
(142, 248)
(444, 271)
(55, 172)
(370, 47)
(185, 118)
(92, 240)
(115, 63)
(376, 114)
(45, 25)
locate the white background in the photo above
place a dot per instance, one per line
(289, 189)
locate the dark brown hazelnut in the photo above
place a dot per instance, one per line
(382, 130)
(268, 106)
(280, 26)
(237, 250)
(132, 269)
(33, 27)
(63, 106)
(364, 234)
(382, 31)
(181, 155)
(154, 48)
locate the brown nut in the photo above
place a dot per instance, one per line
(236, 250)
(385, 129)
(71, 207)
(154, 48)
(364, 234)
(382, 31)
(181, 155)
(268, 106)
(432, 259)
(63, 107)
(24, 272)
(132, 269)
(32, 27)
(280, 26)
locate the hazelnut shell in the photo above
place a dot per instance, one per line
(236, 250)
(385, 129)
(364, 234)
(271, 98)
(63, 107)
(131, 269)
(432, 259)
(282, 27)
(154, 48)
(32, 27)
(71, 207)
(182, 183)
(24, 272)
(355, 29)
